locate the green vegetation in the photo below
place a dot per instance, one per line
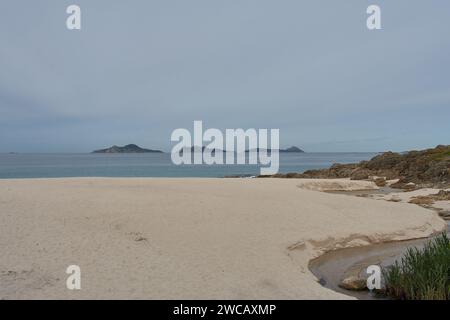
(441, 156)
(422, 274)
(440, 153)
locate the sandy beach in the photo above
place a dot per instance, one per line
(148, 238)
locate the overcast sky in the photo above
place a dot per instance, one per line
(140, 69)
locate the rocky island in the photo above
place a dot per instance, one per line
(129, 148)
(292, 149)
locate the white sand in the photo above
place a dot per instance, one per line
(184, 238)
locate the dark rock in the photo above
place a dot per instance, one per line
(445, 214)
(360, 174)
(442, 195)
(380, 182)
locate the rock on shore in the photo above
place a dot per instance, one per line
(425, 168)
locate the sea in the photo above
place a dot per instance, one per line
(24, 165)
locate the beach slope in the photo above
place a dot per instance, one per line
(184, 238)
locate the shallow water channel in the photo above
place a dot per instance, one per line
(332, 267)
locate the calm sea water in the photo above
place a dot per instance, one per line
(151, 165)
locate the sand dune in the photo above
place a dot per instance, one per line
(184, 238)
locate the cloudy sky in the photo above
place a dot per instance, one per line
(140, 69)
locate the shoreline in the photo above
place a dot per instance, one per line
(163, 238)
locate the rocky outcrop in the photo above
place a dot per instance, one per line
(442, 195)
(414, 169)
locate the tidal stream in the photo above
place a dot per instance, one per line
(332, 267)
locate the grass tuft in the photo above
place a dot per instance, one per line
(421, 274)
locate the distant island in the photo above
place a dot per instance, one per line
(132, 148)
(292, 149)
(129, 148)
(213, 151)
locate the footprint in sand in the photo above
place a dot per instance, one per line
(137, 236)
